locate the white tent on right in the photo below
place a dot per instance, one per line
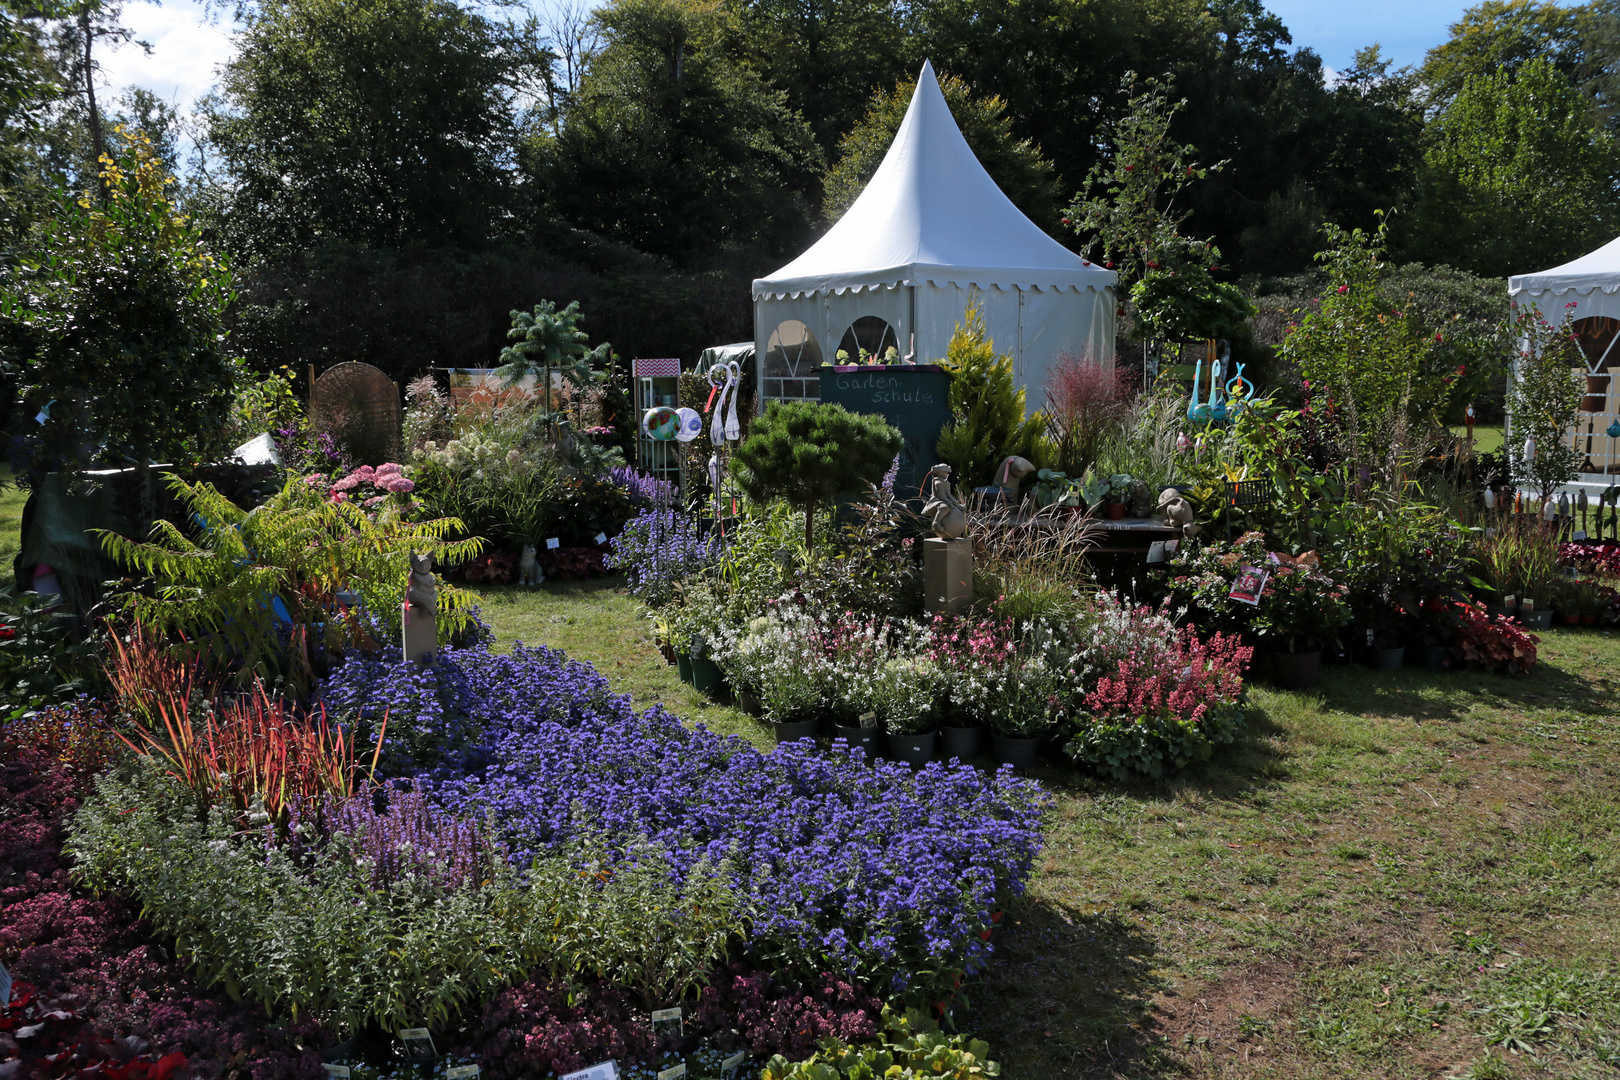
(1592, 284)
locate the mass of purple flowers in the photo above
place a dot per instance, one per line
(658, 549)
(400, 835)
(844, 864)
(643, 490)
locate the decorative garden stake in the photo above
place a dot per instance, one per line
(420, 610)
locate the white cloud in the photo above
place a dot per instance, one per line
(186, 50)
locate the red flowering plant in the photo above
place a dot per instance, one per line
(1167, 703)
(1496, 644)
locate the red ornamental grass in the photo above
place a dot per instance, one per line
(255, 748)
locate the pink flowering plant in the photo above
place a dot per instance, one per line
(1167, 703)
(382, 491)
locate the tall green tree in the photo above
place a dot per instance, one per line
(673, 144)
(1503, 36)
(1518, 174)
(111, 323)
(1016, 165)
(827, 56)
(386, 122)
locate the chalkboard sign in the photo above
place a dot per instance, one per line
(913, 399)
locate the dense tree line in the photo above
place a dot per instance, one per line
(389, 177)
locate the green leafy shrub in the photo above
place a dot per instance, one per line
(310, 929)
(222, 578)
(806, 454)
(912, 1046)
(987, 408)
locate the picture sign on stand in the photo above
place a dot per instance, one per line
(605, 1070)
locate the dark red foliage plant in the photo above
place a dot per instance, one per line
(96, 996)
(1086, 398)
(538, 1028)
(747, 1009)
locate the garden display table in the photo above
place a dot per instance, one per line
(1132, 535)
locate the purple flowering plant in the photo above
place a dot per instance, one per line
(843, 865)
(658, 550)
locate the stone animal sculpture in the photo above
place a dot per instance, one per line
(529, 567)
(420, 631)
(942, 510)
(1011, 474)
(422, 588)
(1177, 512)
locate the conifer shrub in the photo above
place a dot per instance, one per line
(807, 453)
(987, 408)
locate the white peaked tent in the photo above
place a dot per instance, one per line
(1592, 284)
(930, 231)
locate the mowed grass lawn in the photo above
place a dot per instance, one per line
(1402, 874)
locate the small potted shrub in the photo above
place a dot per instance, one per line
(1300, 612)
(906, 692)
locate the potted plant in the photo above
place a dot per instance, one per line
(906, 691)
(1300, 612)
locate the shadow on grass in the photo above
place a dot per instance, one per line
(1420, 694)
(1254, 761)
(1068, 993)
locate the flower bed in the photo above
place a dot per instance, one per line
(110, 998)
(841, 864)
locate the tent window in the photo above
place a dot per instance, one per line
(791, 354)
(867, 336)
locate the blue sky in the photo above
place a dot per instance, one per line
(1337, 28)
(186, 48)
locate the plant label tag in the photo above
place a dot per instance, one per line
(553, 544)
(1156, 551)
(1172, 546)
(337, 1072)
(604, 1070)
(676, 1072)
(5, 987)
(418, 1044)
(666, 1014)
(461, 1072)
(729, 1066)
(601, 538)
(1578, 534)
(1250, 583)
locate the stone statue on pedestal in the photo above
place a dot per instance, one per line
(942, 509)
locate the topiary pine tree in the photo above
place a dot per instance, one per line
(806, 453)
(987, 408)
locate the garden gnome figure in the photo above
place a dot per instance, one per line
(420, 610)
(948, 555)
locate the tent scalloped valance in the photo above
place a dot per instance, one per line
(936, 282)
